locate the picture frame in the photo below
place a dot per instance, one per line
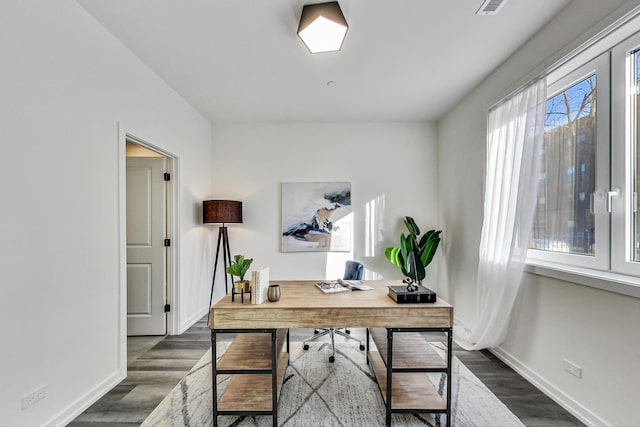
(317, 217)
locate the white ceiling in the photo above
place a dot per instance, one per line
(241, 60)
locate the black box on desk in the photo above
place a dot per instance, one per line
(400, 295)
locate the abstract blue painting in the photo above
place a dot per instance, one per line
(316, 216)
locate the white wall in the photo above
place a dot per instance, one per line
(391, 167)
(552, 320)
(65, 84)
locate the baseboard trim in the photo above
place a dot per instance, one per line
(561, 398)
(79, 406)
(558, 396)
(192, 320)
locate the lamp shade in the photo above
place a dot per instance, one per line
(322, 27)
(221, 211)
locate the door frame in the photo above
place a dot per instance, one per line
(172, 224)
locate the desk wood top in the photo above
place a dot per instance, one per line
(303, 305)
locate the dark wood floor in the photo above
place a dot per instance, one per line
(157, 364)
(528, 403)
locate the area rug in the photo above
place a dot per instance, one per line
(318, 393)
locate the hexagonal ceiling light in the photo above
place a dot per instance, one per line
(322, 27)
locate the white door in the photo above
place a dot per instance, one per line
(146, 276)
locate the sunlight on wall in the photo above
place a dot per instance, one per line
(336, 260)
(374, 227)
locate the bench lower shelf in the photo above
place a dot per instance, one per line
(402, 362)
(409, 391)
(252, 392)
(256, 361)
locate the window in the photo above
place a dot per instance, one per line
(625, 161)
(569, 223)
(634, 73)
(587, 205)
(563, 220)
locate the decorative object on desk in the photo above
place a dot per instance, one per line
(221, 212)
(302, 403)
(260, 284)
(239, 268)
(414, 255)
(273, 293)
(316, 216)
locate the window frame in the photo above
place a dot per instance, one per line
(622, 275)
(557, 82)
(623, 152)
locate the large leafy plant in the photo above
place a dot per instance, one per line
(415, 253)
(239, 266)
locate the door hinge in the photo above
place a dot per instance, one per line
(167, 308)
(167, 177)
(167, 243)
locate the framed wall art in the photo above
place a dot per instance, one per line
(317, 217)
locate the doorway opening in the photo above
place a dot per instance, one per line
(148, 241)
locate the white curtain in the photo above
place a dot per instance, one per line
(515, 131)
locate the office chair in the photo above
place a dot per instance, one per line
(352, 271)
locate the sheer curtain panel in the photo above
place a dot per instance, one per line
(515, 129)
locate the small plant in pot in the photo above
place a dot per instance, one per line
(238, 268)
(414, 254)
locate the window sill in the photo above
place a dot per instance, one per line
(607, 281)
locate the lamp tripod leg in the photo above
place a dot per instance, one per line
(215, 269)
(226, 254)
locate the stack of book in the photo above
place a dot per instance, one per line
(400, 294)
(260, 285)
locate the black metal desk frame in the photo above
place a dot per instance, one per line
(273, 371)
(390, 370)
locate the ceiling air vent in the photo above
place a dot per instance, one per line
(490, 7)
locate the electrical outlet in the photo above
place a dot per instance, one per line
(572, 368)
(33, 397)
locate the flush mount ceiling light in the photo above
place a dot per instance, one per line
(322, 27)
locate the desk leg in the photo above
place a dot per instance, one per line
(214, 385)
(367, 330)
(274, 376)
(449, 371)
(389, 374)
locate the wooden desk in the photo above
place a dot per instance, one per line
(303, 305)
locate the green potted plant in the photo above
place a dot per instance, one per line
(414, 254)
(239, 268)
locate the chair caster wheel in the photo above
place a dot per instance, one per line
(361, 347)
(332, 359)
(348, 331)
(305, 347)
(315, 331)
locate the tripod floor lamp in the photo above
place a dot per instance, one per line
(222, 212)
